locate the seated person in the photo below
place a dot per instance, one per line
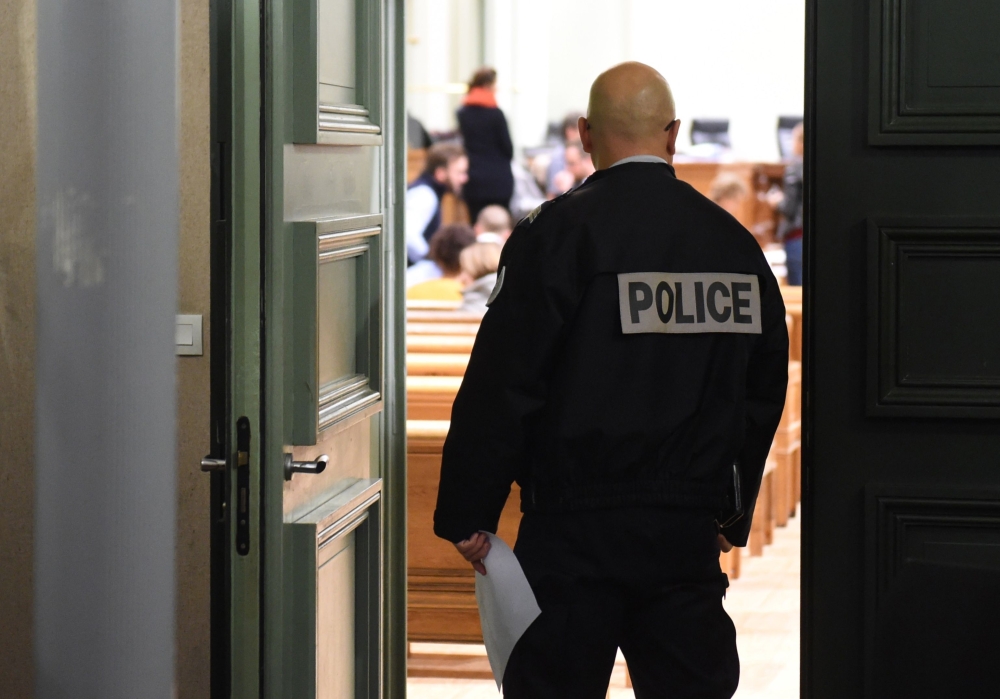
(479, 273)
(527, 193)
(788, 202)
(493, 225)
(438, 279)
(447, 171)
(579, 167)
(570, 134)
(728, 191)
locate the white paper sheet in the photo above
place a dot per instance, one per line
(507, 606)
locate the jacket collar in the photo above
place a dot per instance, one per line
(635, 159)
(640, 159)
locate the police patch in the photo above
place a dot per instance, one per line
(654, 302)
(496, 287)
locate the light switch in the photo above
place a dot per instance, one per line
(185, 334)
(187, 337)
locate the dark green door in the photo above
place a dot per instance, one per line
(901, 537)
(310, 100)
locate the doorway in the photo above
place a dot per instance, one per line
(739, 84)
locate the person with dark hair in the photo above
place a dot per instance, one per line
(446, 249)
(570, 134)
(487, 140)
(416, 135)
(579, 167)
(447, 171)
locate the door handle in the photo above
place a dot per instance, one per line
(208, 464)
(314, 467)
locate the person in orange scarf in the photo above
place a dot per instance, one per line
(487, 142)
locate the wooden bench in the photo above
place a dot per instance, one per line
(432, 305)
(792, 296)
(440, 344)
(441, 588)
(789, 433)
(431, 397)
(762, 528)
(441, 606)
(425, 328)
(423, 315)
(787, 447)
(436, 364)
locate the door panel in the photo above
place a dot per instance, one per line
(335, 623)
(336, 349)
(332, 596)
(333, 175)
(901, 397)
(313, 228)
(351, 458)
(337, 52)
(322, 182)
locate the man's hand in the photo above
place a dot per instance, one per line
(474, 550)
(724, 544)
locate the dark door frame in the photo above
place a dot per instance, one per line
(220, 40)
(809, 182)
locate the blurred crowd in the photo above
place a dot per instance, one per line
(458, 262)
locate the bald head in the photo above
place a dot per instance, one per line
(631, 111)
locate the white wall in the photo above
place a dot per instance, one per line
(741, 59)
(586, 38)
(444, 45)
(516, 43)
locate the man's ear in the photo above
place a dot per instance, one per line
(441, 174)
(675, 129)
(585, 137)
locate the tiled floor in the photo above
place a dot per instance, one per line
(764, 605)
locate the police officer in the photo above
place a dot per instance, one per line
(633, 355)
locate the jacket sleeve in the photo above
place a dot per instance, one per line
(767, 381)
(506, 383)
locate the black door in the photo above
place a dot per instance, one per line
(901, 538)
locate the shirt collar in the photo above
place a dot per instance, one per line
(640, 159)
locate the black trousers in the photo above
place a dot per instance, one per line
(677, 639)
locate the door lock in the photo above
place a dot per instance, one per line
(314, 467)
(208, 464)
(243, 486)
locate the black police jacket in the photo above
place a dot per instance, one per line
(634, 349)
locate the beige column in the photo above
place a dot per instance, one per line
(17, 340)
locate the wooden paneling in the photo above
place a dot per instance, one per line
(933, 565)
(929, 283)
(934, 72)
